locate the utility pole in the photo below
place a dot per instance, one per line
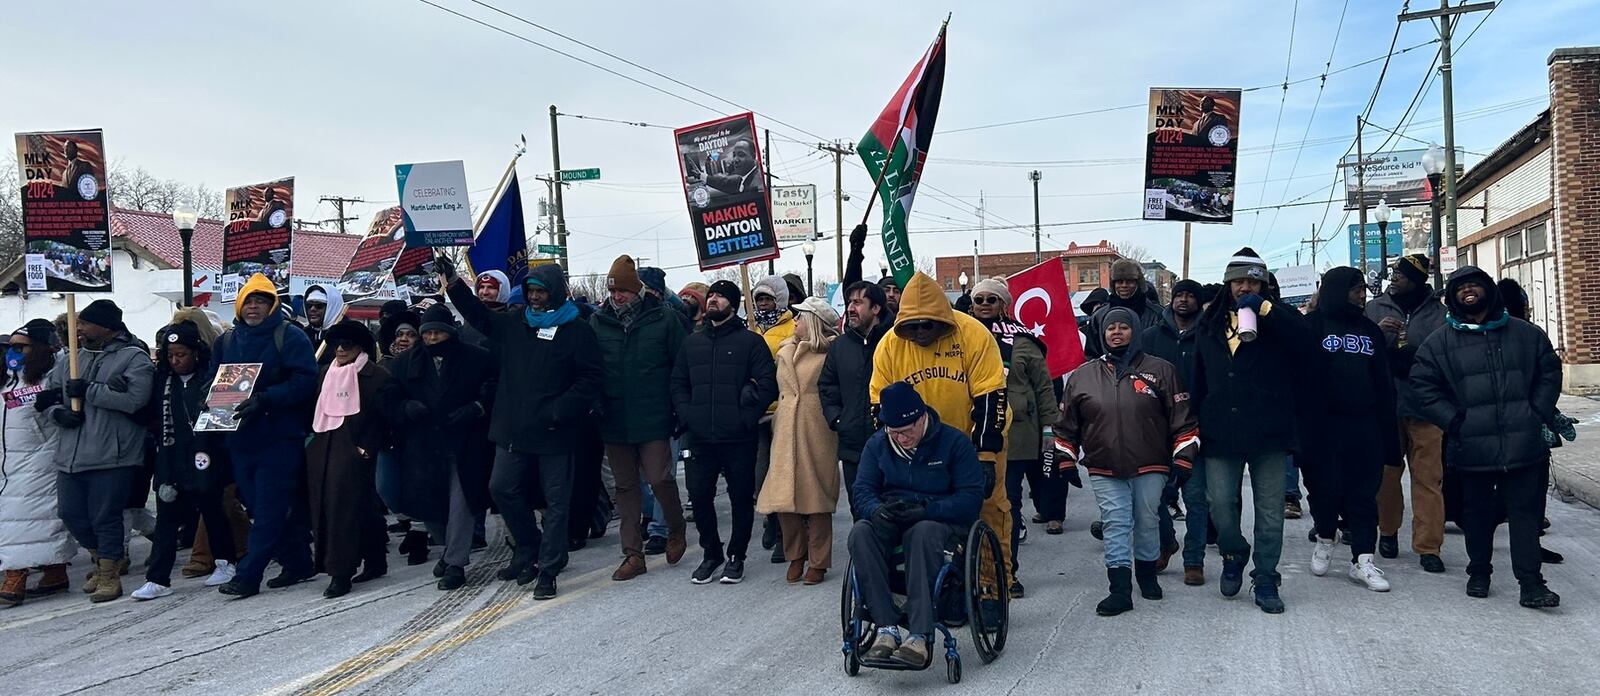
(983, 237)
(766, 156)
(1361, 202)
(1445, 14)
(1313, 241)
(1038, 254)
(338, 209)
(1187, 228)
(561, 213)
(839, 151)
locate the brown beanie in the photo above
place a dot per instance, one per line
(624, 275)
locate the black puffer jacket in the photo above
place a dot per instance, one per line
(723, 382)
(845, 385)
(1165, 341)
(1492, 387)
(548, 380)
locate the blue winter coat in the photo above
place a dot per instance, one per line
(944, 475)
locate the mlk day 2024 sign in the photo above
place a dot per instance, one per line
(256, 238)
(725, 188)
(370, 271)
(433, 203)
(1191, 153)
(66, 222)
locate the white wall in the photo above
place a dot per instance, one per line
(1521, 189)
(142, 310)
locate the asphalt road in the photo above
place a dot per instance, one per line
(661, 634)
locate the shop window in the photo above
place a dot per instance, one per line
(1513, 246)
(1535, 240)
(1089, 276)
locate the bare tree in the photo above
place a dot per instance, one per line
(10, 211)
(1137, 252)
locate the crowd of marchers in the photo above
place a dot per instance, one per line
(558, 415)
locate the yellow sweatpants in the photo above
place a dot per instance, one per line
(996, 512)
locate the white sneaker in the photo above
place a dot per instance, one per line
(222, 575)
(1321, 556)
(151, 590)
(1363, 571)
(1022, 535)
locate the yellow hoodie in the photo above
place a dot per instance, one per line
(257, 283)
(952, 372)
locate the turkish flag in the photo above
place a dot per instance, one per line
(1042, 302)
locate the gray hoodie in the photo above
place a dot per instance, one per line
(110, 436)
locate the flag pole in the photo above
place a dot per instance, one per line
(494, 200)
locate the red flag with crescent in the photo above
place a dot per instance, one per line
(1042, 302)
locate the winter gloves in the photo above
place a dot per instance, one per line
(1563, 429)
(416, 411)
(249, 408)
(46, 399)
(67, 418)
(77, 388)
(1251, 302)
(464, 415)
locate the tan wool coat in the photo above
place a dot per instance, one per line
(804, 475)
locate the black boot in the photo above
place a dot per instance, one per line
(338, 587)
(415, 547)
(1120, 599)
(1145, 573)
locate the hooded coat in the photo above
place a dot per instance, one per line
(1029, 389)
(1492, 387)
(1129, 415)
(1348, 377)
(639, 358)
(960, 374)
(1166, 341)
(549, 379)
(31, 532)
(331, 316)
(289, 379)
(427, 450)
(804, 474)
(1420, 323)
(1246, 390)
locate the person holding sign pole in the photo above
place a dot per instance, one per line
(100, 453)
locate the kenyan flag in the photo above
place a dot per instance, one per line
(895, 148)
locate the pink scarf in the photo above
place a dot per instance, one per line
(340, 395)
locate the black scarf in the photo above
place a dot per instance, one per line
(1410, 301)
(1006, 332)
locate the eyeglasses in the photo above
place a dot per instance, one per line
(346, 345)
(986, 299)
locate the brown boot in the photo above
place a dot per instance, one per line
(54, 580)
(93, 578)
(632, 567)
(109, 586)
(15, 588)
(1194, 575)
(675, 547)
(797, 569)
(814, 576)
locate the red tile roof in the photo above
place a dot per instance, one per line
(316, 254)
(1102, 249)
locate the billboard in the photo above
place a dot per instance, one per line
(1191, 153)
(1396, 176)
(1374, 244)
(794, 212)
(725, 187)
(66, 222)
(256, 238)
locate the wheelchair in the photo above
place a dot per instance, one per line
(959, 589)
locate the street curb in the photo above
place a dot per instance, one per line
(1577, 483)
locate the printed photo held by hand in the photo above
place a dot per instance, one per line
(234, 384)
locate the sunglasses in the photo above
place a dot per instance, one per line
(986, 299)
(920, 326)
(346, 345)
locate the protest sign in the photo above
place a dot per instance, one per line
(433, 203)
(794, 212)
(1191, 152)
(256, 238)
(369, 273)
(726, 191)
(66, 222)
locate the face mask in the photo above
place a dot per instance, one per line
(13, 359)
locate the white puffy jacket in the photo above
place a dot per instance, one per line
(31, 532)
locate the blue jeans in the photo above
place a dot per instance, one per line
(1196, 518)
(1224, 478)
(1129, 511)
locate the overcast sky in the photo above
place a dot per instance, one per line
(336, 92)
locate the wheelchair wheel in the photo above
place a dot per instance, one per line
(986, 581)
(952, 670)
(854, 643)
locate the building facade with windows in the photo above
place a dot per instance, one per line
(1087, 266)
(1530, 211)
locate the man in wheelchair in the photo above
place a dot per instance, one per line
(919, 483)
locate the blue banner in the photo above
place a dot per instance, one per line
(502, 244)
(1374, 243)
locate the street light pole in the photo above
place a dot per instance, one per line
(810, 250)
(1433, 163)
(184, 218)
(1035, 176)
(1383, 235)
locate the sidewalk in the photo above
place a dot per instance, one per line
(1575, 469)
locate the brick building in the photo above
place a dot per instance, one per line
(1087, 267)
(1531, 211)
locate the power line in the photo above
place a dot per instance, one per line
(1338, 29)
(1283, 98)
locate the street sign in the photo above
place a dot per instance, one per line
(589, 174)
(550, 248)
(1447, 260)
